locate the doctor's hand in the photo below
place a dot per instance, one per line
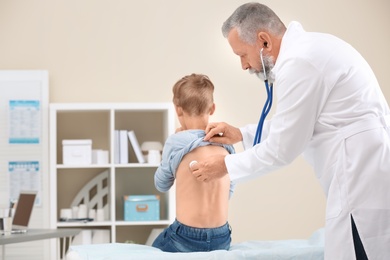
(222, 133)
(210, 169)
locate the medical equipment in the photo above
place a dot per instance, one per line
(267, 105)
(192, 163)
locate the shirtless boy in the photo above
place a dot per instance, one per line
(201, 207)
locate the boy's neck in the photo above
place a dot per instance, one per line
(194, 122)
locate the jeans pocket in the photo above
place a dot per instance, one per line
(222, 242)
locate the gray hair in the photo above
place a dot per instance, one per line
(251, 18)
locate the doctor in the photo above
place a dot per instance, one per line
(329, 107)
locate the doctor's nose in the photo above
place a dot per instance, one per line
(244, 64)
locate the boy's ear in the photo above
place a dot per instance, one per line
(212, 110)
(179, 111)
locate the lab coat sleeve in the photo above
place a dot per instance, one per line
(300, 92)
(248, 135)
(249, 131)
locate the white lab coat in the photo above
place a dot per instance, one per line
(329, 107)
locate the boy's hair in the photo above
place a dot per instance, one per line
(194, 94)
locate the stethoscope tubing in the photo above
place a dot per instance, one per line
(264, 113)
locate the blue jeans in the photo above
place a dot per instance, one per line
(181, 238)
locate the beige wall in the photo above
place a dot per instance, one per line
(133, 51)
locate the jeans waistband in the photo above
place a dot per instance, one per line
(200, 233)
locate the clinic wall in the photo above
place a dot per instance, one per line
(122, 51)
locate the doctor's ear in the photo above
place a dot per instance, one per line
(264, 40)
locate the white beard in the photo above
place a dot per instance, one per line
(268, 66)
(260, 75)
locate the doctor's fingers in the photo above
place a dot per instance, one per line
(199, 175)
(231, 136)
(211, 126)
(220, 139)
(223, 133)
(202, 178)
(215, 130)
(197, 171)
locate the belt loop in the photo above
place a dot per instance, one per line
(177, 226)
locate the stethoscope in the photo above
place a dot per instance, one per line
(267, 105)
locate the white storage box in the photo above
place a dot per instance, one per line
(77, 152)
(99, 157)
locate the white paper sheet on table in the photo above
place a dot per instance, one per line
(299, 249)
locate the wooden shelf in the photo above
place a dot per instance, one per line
(98, 122)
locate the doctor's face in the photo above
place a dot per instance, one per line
(249, 54)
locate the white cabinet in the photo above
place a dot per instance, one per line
(98, 122)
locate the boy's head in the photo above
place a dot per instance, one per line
(194, 94)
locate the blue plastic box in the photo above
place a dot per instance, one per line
(141, 207)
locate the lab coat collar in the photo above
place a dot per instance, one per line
(293, 29)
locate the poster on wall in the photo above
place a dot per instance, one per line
(24, 122)
(24, 176)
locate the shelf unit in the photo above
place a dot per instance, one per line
(98, 121)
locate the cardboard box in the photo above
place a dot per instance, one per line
(77, 152)
(141, 207)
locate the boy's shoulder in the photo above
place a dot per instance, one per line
(182, 138)
(189, 134)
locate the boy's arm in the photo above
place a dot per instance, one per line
(163, 180)
(164, 177)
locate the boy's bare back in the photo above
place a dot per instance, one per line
(201, 204)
